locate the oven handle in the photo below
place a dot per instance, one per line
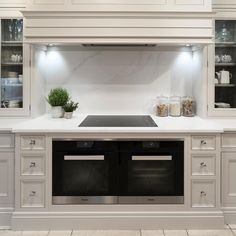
(151, 158)
(85, 158)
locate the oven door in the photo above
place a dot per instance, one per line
(84, 172)
(152, 172)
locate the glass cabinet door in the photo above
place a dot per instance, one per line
(11, 92)
(225, 64)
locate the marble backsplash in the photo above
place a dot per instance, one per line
(118, 81)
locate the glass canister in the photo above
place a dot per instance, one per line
(175, 106)
(162, 106)
(188, 106)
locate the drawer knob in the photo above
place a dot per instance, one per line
(203, 142)
(203, 164)
(32, 142)
(32, 164)
(32, 194)
(203, 194)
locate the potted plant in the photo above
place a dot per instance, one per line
(69, 107)
(57, 98)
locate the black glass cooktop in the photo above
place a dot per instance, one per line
(118, 121)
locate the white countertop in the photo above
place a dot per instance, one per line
(7, 124)
(46, 124)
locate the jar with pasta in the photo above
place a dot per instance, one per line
(162, 106)
(188, 106)
(175, 106)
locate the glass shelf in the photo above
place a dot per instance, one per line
(225, 64)
(225, 85)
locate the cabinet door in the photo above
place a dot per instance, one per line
(228, 178)
(6, 178)
(13, 91)
(12, 3)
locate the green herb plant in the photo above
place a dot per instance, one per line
(70, 106)
(58, 97)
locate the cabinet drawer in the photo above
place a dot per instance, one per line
(32, 193)
(203, 193)
(203, 142)
(32, 142)
(203, 164)
(32, 164)
(7, 140)
(228, 140)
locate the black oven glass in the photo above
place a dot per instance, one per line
(126, 170)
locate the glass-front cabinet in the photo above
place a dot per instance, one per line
(13, 99)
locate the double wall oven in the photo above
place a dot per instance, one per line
(118, 172)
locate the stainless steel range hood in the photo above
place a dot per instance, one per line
(93, 29)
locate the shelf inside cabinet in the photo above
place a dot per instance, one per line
(12, 85)
(225, 44)
(226, 64)
(225, 85)
(12, 64)
(12, 42)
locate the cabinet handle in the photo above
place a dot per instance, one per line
(32, 142)
(32, 164)
(32, 194)
(203, 194)
(203, 164)
(203, 142)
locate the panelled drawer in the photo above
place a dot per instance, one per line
(33, 164)
(32, 193)
(32, 142)
(203, 143)
(203, 193)
(228, 140)
(203, 164)
(7, 140)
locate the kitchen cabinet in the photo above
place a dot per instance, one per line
(6, 178)
(12, 3)
(222, 67)
(31, 172)
(121, 5)
(14, 86)
(205, 172)
(224, 4)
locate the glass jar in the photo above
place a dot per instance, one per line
(175, 106)
(188, 106)
(162, 106)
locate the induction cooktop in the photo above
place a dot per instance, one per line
(118, 121)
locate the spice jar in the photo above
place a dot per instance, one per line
(162, 106)
(188, 106)
(175, 106)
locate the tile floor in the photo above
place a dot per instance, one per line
(230, 230)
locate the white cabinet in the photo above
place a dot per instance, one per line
(12, 3)
(30, 171)
(121, 5)
(7, 156)
(205, 171)
(224, 4)
(229, 179)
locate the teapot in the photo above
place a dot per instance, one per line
(224, 76)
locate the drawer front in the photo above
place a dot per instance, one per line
(32, 193)
(203, 164)
(228, 140)
(203, 193)
(203, 142)
(33, 142)
(7, 141)
(33, 164)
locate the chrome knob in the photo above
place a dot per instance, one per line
(203, 142)
(32, 194)
(203, 164)
(32, 164)
(32, 142)
(203, 194)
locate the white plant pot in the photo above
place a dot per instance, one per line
(68, 115)
(57, 112)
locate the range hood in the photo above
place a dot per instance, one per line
(91, 28)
